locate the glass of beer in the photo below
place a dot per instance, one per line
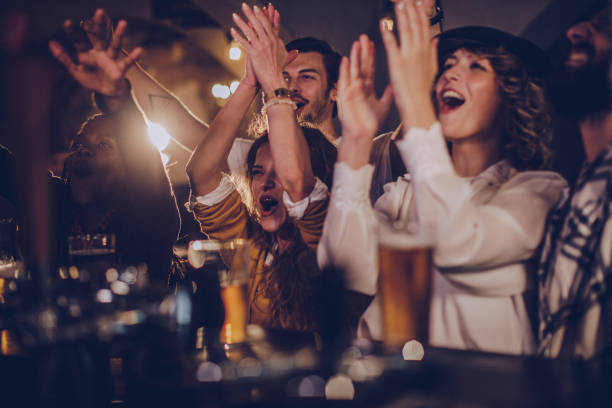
(404, 281)
(231, 259)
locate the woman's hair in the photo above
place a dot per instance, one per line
(523, 113)
(288, 283)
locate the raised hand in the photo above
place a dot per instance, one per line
(357, 112)
(99, 29)
(412, 64)
(100, 68)
(273, 16)
(367, 67)
(265, 49)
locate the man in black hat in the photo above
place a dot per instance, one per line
(575, 307)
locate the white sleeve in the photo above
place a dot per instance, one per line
(297, 209)
(349, 240)
(505, 230)
(237, 157)
(225, 188)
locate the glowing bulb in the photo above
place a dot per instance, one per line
(158, 135)
(221, 91)
(235, 53)
(234, 85)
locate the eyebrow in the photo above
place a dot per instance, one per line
(305, 70)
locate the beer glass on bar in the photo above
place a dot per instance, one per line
(231, 259)
(405, 268)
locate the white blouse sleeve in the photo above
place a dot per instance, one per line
(505, 230)
(348, 240)
(297, 209)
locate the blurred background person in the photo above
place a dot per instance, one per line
(575, 304)
(114, 180)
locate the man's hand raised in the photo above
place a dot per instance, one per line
(102, 67)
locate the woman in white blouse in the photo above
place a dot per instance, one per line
(487, 199)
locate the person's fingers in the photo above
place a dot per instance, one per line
(241, 40)
(247, 31)
(77, 36)
(343, 76)
(115, 45)
(355, 73)
(127, 62)
(257, 28)
(263, 21)
(389, 42)
(424, 35)
(367, 58)
(403, 25)
(277, 20)
(62, 56)
(434, 53)
(413, 29)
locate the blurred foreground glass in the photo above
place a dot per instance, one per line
(231, 259)
(92, 255)
(405, 267)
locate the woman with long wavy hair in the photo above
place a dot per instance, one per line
(283, 206)
(475, 149)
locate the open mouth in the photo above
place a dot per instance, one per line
(268, 205)
(578, 59)
(81, 168)
(451, 100)
(299, 102)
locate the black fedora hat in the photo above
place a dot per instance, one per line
(535, 60)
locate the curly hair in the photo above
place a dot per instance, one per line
(523, 113)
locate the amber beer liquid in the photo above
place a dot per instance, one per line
(405, 285)
(235, 303)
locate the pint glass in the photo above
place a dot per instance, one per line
(405, 268)
(231, 260)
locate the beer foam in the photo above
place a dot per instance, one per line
(404, 238)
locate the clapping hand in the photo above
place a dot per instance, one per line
(266, 52)
(102, 67)
(413, 63)
(358, 107)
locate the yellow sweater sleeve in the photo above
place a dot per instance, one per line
(224, 220)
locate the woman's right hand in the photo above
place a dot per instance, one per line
(413, 63)
(359, 117)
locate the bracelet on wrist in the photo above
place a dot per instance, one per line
(277, 101)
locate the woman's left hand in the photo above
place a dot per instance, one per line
(413, 63)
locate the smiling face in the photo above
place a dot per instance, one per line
(307, 80)
(579, 86)
(590, 43)
(267, 192)
(94, 165)
(468, 97)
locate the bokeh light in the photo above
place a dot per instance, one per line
(221, 91)
(234, 52)
(158, 135)
(234, 86)
(413, 350)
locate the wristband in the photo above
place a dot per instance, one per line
(277, 101)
